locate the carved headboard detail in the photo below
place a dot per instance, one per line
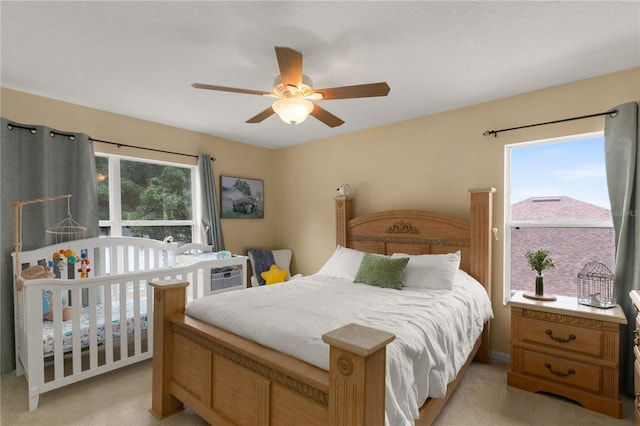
(402, 227)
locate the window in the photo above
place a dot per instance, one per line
(145, 199)
(556, 199)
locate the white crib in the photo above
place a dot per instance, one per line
(56, 353)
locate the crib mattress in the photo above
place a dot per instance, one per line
(85, 326)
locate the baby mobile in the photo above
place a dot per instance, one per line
(65, 231)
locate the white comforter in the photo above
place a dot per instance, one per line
(435, 329)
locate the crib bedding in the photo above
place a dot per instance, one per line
(435, 329)
(85, 324)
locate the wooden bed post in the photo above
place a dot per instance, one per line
(357, 363)
(169, 297)
(481, 230)
(343, 216)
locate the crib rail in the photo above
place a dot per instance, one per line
(106, 256)
(96, 346)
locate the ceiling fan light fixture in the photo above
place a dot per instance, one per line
(292, 110)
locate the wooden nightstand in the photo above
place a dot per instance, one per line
(635, 298)
(567, 349)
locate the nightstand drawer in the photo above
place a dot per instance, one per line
(568, 349)
(572, 373)
(570, 338)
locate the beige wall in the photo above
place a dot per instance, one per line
(426, 163)
(430, 163)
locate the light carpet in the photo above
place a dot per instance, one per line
(122, 398)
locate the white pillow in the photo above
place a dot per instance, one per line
(432, 271)
(343, 263)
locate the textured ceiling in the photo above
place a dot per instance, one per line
(140, 58)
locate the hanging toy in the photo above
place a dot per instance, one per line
(63, 257)
(70, 255)
(84, 266)
(62, 260)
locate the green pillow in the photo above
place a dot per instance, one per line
(381, 271)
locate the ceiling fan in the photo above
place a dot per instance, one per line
(294, 92)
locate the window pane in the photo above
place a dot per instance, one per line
(102, 169)
(155, 191)
(563, 182)
(571, 170)
(179, 233)
(571, 249)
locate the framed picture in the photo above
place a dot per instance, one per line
(241, 198)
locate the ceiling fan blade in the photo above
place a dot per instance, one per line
(290, 64)
(326, 117)
(261, 116)
(230, 89)
(357, 91)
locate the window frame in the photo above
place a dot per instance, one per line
(508, 224)
(115, 222)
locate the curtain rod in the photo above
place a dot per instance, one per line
(495, 132)
(118, 144)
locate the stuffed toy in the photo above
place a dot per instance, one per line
(37, 271)
(34, 272)
(47, 308)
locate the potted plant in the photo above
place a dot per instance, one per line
(539, 261)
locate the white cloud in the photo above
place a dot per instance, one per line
(589, 171)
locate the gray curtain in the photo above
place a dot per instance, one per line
(36, 164)
(622, 158)
(210, 211)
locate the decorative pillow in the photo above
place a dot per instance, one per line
(343, 263)
(433, 271)
(381, 271)
(274, 275)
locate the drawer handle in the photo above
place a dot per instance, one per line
(560, 339)
(559, 373)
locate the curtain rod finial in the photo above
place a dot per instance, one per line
(490, 132)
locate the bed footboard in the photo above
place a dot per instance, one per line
(227, 379)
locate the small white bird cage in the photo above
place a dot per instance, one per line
(595, 285)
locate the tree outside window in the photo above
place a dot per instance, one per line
(145, 199)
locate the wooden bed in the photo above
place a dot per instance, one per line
(227, 379)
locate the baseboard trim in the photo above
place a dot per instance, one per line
(501, 356)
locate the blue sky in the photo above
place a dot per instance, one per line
(575, 169)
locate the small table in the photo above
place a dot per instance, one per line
(568, 349)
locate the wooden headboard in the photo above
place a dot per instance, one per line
(426, 232)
